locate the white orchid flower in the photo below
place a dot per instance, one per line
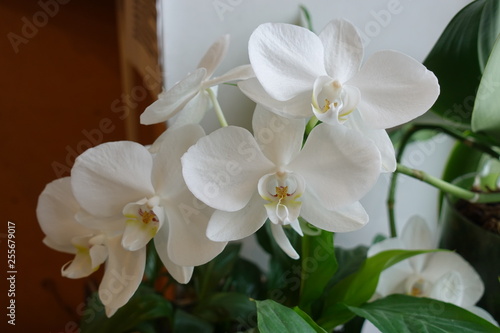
(124, 270)
(248, 179)
(444, 276)
(296, 69)
(190, 94)
(123, 180)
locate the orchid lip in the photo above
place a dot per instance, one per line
(282, 191)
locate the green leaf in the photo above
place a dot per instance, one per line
(185, 322)
(406, 314)
(489, 28)
(309, 320)
(349, 261)
(454, 60)
(246, 278)
(225, 307)
(210, 276)
(486, 114)
(318, 266)
(145, 305)
(273, 317)
(359, 287)
(305, 18)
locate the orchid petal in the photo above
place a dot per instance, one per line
(167, 167)
(181, 274)
(279, 138)
(79, 267)
(56, 209)
(107, 177)
(193, 112)
(283, 241)
(173, 100)
(89, 256)
(393, 279)
(297, 107)
(214, 55)
(187, 243)
(482, 313)
(379, 137)
(343, 49)
(440, 263)
(346, 218)
(416, 235)
(229, 226)
(394, 89)
(109, 225)
(122, 276)
(223, 168)
(242, 72)
(351, 160)
(286, 59)
(449, 288)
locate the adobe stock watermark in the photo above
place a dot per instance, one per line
(222, 7)
(380, 20)
(31, 26)
(95, 136)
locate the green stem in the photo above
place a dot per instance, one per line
(459, 136)
(449, 188)
(217, 108)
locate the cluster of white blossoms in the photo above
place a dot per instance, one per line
(191, 193)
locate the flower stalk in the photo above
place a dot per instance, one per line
(217, 108)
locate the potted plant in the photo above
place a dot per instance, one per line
(162, 219)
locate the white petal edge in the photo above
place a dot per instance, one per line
(279, 138)
(173, 100)
(107, 177)
(56, 209)
(283, 242)
(297, 107)
(344, 174)
(345, 219)
(187, 243)
(214, 55)
(394, 89)
(229, 226)
(286, 59)
(343, 49)
(122, 276)
(167, 167)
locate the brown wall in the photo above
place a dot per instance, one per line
(60, 82)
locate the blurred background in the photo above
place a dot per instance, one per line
(60, 93)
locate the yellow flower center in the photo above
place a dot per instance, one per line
(148, 216)
(281, 192)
